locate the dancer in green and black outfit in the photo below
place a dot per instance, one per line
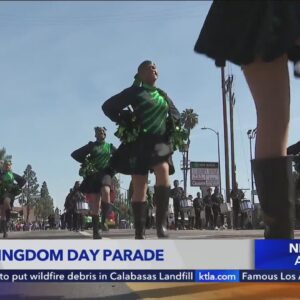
(10, 186)
(146, 116)
(261, 36)
(97, 173)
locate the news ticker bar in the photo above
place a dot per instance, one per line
(150, 255)
(198, 276)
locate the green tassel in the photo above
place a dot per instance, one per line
(88, 167)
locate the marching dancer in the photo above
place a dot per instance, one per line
(147, 118)
(10, 186)
(97, 174)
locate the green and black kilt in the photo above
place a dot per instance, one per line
(139, 157)
(92, 184)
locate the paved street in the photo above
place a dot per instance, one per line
(150, 234)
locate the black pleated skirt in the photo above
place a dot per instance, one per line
(93, 184)
(242, 31)
(139, 157)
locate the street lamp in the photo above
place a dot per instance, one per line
(217, 133)
(251, 135)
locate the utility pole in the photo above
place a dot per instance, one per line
(227, 175)
(219, 160)
(185, 165)
(231, 105)
(251, 135)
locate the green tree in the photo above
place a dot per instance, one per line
(3, 155)
(189, 120)
(44, 205)
(30, 194)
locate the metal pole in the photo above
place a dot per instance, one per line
(219, 162)
(252, 179)
(184, 171)
(184, 167)
(231, 105)
(251, 135)
(227, 175)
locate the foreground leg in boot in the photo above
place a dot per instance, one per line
(162, 194)
(95, 201)
(276, 193)
(139, 214)
(4, 228)
(104, 210)
(8, 214)
(96, 233)
(3, 212)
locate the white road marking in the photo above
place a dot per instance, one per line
(89, 234)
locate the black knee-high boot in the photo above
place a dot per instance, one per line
(104, 208)
(139, 214)
(297, 199)
(4, 228)
(276, 193)
(162, 194)
(8, 214)
(95, 223)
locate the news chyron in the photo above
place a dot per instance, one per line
(150, 261)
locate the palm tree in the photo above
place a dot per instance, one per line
(189, 119)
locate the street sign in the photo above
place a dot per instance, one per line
(204, 174)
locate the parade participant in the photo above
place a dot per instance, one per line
(191, 214)
(77, 197)
(51, 221)
(217, 199)
(1, 166)
(209, 218)
(198, 206)
(10, 186)
(261, 36)
(237, 195)
(63, 220)
(97, 174)
(149, 210)
(147, 118)
(177, 193)
(295, 151)
(1, 173)
(70, 208)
